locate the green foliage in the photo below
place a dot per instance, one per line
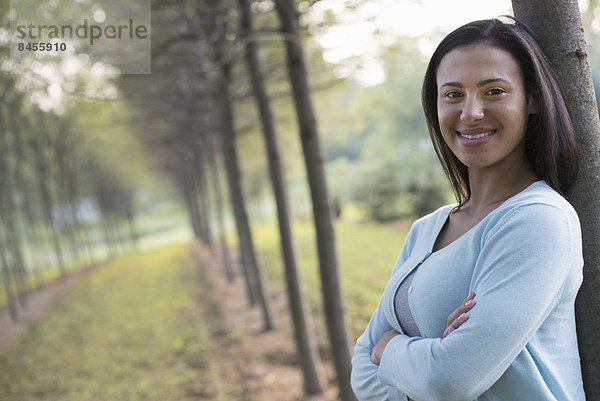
(389, 190)
(380, 191)
(376, 144)
(132, 331)
(427, 197)
(103, 130)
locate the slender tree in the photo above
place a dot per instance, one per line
(9, 215)
(7, 280)
(209, 143)
(323, 215)
(305, 342)
(23, 185)
(231, 159)
(206, 207)
(190, 195)
(44, 169)
(558, 27)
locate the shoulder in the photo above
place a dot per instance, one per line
(536, 232)
(542, 195)
(538, 210)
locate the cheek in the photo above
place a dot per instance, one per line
(445, 119)
(516, 118)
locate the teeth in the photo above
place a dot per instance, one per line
(476, 136)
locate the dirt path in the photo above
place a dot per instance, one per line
(38, 303)
(262, 366)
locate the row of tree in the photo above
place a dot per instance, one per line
(57, 195)
(201, 73)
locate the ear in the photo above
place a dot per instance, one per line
(533, 105)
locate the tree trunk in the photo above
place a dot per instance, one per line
(199, 165)
(241, 218)
(199, 211)
(209, 143)
(330, 281)
(9, 213)
(14, 243)
(43, 175)
(7, 281)
(232, 164)
(189, 190)
(28, 221)
(558, 26)
(17, 228)
(303, 330)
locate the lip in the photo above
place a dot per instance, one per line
(473, 137)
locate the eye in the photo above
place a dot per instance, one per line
(453, 94)
(496, 91)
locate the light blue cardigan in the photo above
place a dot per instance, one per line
(524, 262)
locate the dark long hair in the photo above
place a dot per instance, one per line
(549, 141)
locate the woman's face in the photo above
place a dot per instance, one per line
(482, 106)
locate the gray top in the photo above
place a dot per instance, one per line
(405, 318)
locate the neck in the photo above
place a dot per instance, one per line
(492, 186)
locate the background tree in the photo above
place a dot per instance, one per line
(303, 329)
(217, 28)
(322, 211)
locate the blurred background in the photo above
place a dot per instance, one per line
(116, 190)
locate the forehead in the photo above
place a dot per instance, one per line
(478, 62)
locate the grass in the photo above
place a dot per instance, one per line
(366, 252)
(131, 331)
(155, 229)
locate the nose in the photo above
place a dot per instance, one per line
(473, 109)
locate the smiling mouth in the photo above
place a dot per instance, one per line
(476, 136)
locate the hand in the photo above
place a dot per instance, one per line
(459, 316)
(377, 350)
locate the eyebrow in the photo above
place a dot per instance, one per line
(480, 83)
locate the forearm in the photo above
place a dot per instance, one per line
(365, 382)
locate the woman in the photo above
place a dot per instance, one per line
(500, 127)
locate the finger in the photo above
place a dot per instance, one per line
(447, 332)
(455, 324)
(465, 306)
(468, 304)
(374, 357)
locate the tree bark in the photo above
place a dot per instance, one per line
(189, 189)
(209, 143)
(232, 164)
(326, 245)
(559, 29)
(241, 217)
(303, 329)
(9, 213)
(29, 221)
(43, 175)
(7, 281)
(205, 209)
